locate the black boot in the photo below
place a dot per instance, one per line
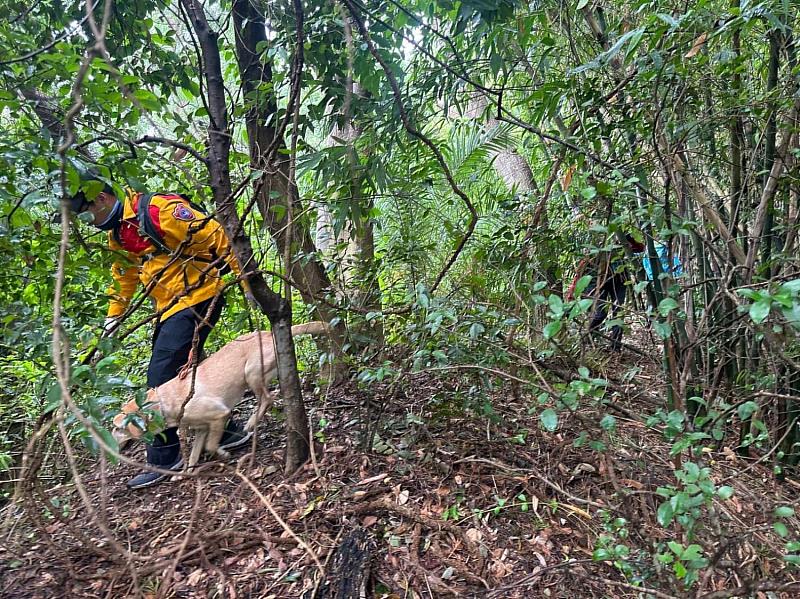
(234, 436)
(165, 453)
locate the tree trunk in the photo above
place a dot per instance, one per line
(357, 281)
(277, 308)
(277, 193)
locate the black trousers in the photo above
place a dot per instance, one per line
(610, 297)
(173, 340)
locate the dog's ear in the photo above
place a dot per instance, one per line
(129, 407)
(134, 431)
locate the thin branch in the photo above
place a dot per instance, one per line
(55, 41)
(172, 143)
(414, 132)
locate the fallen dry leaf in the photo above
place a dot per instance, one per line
(729, 454)
(402, 498)
(369, 521)
(697, 46)
(565, 182)
(474, 535)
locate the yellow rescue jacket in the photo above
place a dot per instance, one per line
(175, 281)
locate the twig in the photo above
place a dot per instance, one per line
(750, 588)
(283, 524)
(630, 587)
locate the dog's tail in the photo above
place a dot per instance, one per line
(310, 328)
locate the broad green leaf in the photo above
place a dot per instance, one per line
(53, 398)
(549, 419)
(608, 422)
(793, 286)
(760, 310)
(602, 554)
(666, 306)
(662, 329)
(750, 294)
(784, 511)
(476, 330)
(746, 410)
(725, 492)
(551, 329)
(692, 552)
(676, 548)
(556, 304)
(582, 284)
(664, 514)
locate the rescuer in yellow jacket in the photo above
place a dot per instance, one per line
(187, 276)
(176, 252)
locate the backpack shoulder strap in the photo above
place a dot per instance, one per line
(146, 225)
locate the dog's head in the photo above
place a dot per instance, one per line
(123, 432)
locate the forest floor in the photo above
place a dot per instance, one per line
(444, 505)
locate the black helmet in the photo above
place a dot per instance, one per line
(90, 182)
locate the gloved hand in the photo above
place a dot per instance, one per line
(110, 325)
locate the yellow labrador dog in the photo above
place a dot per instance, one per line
(247, 362)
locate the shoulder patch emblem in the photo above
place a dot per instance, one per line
(183, 212)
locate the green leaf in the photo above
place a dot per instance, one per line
(675, 420)
(676, 548)
(53, 399)
(108, 439)
(784, 511)
(666, 306)
(793, 286)
(663, 330)
(581, 4)
(582, 284)
(551, 329)
(549, 419)
(605, 57)
(792, 314)
(476, 330)
(746, 410)
(725, 492)
(781, 529)
(692, 552)
(760, 310)
(665, 514)
(147, 99)
(556, 305)
(608, 422)
(601, 554)
(680, 445)
(665, 558)
(750, 294)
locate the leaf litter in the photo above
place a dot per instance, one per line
(456, 508)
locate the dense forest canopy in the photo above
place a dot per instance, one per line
(429, 178)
